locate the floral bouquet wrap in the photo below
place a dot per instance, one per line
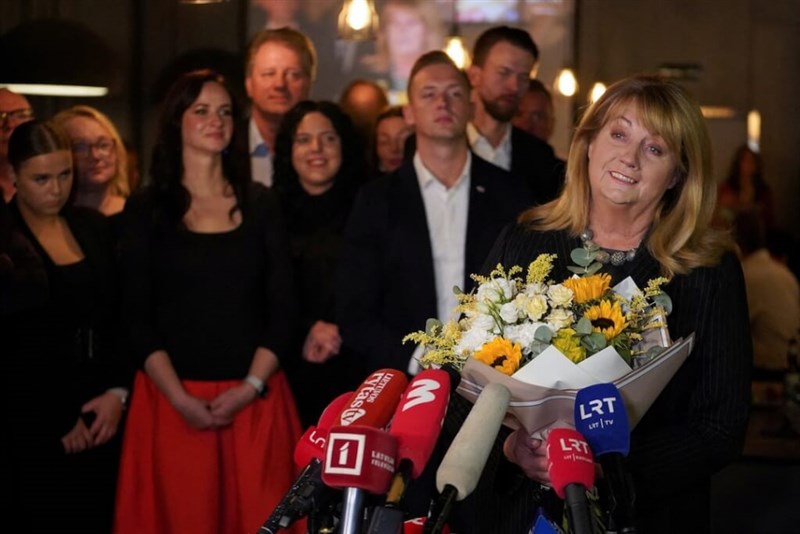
(545, 340)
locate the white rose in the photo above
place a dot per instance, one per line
(559, 318)
(509, 312)
(522, 333)
(483, 322)
(560, 295)
(472, 340)
(496, 290)
(536, 307)
(535, 288)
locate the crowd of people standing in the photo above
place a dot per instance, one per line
(165, 346)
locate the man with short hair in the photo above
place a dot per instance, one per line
(419, 231)
(502, 61)
(535, 114)
(14, 110)
(279, 70)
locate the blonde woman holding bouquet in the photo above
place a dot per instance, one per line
(639, 186)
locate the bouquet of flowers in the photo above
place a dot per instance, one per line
(544, 338)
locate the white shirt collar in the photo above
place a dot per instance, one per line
(500, 156)
(425, 177)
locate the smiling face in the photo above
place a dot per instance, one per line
(207, 125)
(629, 165)
(44, 183)
(277, 80)
(316, 153)
(439, 106)
(94, 150)
(502, 80)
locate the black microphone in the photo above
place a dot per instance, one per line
(601, 417)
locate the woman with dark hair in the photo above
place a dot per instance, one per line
(391, 133)
(318, 167)
(212, 424)
(745, 191)
(62, 380)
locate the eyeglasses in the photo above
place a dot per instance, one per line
(103, 148)
(16, 116)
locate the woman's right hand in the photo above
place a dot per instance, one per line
(78, 439)
(195, 411)
(322, 342)
(530, 454)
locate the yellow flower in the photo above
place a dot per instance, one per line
(588, 288)
(570, 345)
(500, 354)
(607, 318)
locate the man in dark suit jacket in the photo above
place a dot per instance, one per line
(416, 233)
(502, 60)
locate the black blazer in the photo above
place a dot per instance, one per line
(536, 162)
(386, 287)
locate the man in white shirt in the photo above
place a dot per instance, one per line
(280, 68)
(415, 233)
(502, 61)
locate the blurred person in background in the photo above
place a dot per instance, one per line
(745, 190)
(391, 133)
(14, 110)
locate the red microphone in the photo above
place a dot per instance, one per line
(570, 465)
(312, 442)
(375, 400)
(416, 526)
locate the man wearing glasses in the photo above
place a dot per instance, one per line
(14, 110)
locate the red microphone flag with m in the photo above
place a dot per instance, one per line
(360, 457)
(418, 419)
(569, 460)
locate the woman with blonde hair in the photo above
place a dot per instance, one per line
(101, 160)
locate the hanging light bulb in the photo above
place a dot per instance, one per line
(358, 20)
(597, 91)
(457, 51)
(754, 130)
(566, 84)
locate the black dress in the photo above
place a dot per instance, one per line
(315, 226)
(58, 353)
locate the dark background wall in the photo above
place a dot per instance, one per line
(748, 52)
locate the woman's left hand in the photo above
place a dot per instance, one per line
(108, 410)
(78, 439)
(230, 402)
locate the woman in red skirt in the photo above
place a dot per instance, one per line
(207, 298)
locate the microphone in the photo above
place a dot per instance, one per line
(571, 469)
(416, 425)
(375, 400)
(358, 459)
(307, 493)
(461, 467)
(601, 417)
(416, 525)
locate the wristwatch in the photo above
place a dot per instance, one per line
(257, 383)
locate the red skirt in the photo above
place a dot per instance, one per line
(175, 479)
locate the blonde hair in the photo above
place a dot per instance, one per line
(681, 237)
(119, 184)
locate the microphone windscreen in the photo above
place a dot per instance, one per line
(312, 443)
(418, 419)
(360, 457)
(375, 400)
(569, 460)
(464, 461)
(601, 417)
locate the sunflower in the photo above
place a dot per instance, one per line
(588, 288)
(607, 318)
(500, 354)
(569, 345)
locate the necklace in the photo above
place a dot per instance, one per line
(602, 255)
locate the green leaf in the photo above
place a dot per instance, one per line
(543, 334)
(583, 327)
(457, 290)
(594, 342)
(593, 268)
(576, 270)
(663, 300)
(433, 325)
(581, 256)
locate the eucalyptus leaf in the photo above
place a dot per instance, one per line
(432, 324)
(543, 334)
(593, 268)
(576, 270)
(583, 327)
(581, 256)
(663, 300)
(594, 342)
(457, 290)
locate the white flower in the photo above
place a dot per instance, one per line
(483, 322)
(472, 340)
(495, 291)
(522, 333)
(535, 288)
(509, 312)
(559, 318)
(536, 307)
(560, 295)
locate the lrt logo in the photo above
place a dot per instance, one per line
(421, 393)
(345, 454)
(595, 406)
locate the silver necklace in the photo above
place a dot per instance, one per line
(601, 255)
